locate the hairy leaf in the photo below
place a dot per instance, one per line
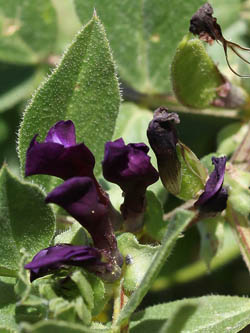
(206, 314)
(175, 227)
(26, 221)
(83, 88)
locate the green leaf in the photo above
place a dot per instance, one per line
(143, 36)
(175, 227)
(194, 75)
(138, 259)
(26, 221)
(8, 301)
(28, 30)
(57, 326)
(75, 235)
(208, 314)
(153, 218)
(83, 88)
(84, 287)
(98, 292)
(62, 309)
(38, 17)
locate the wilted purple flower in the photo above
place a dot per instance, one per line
(214, 197)
(55, 257)
(79, 197)
(129, 167)
(59, 155)
(162, 136)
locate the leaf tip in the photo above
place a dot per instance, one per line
(95, 16)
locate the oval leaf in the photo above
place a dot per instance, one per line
(83, 88)
(25, 220)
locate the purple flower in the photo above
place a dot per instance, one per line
(79, 197)
(162, 136)
(214, 197)
(55, 257)
(59, 155)
(129, 167)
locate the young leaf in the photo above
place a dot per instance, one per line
(195, 315)
(143, 36)
(98, 291)
(25, 220)
(83, 88)
(138, 259)
(29, 30)
(175, 227)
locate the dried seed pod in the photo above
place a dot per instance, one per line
(205, 25)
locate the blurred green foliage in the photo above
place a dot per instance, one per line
(30, 47)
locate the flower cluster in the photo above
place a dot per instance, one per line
(83, 198)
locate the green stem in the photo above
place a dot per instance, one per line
(175, 227)
(120, 299)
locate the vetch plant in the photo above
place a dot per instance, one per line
(138, 138)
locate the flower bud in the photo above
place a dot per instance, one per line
(180, 170)
(162, 136)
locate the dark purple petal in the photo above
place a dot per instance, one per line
(215, 180)
(79, 197)
(55, 257)
(128, 166)
(217, 203)
(214, 197)
(63, 133)
(162, 137)
(59, 155)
